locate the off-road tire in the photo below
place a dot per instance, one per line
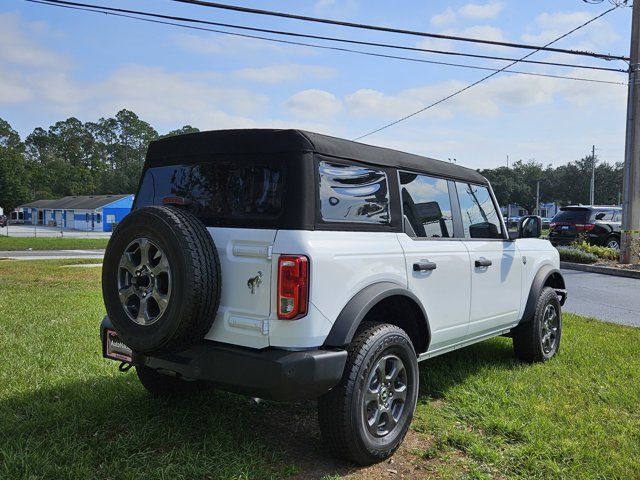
(160, 385)
(527, 337)
(195, 271)
(340, 410)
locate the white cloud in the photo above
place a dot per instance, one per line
(285, 73)
(481, 11)
(313, 104)
(228, 45)
(18, 44)
(549, 26)
(444, 18)
(485, 32)
(470, 11)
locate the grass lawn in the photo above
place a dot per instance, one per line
(52, 243)
(67, 413)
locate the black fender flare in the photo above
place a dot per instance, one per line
(547, 275)
(345, 326)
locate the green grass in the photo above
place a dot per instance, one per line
(51, 243)
(67, 413)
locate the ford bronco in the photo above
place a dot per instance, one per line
(290, 265)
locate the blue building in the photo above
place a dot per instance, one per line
(91, 212)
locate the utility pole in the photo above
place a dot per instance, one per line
(535, 212)
(592, 190)
(630, 245)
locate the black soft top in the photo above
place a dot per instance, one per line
(255, 141)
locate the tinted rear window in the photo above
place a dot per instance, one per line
(218, 190)
(572, 216)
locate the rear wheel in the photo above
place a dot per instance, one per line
(613, 242)
(539, 339)
(160, 385)
(367, 415)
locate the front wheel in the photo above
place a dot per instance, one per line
(365, 418)
(538, 340)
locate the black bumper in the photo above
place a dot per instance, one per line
(270, 373)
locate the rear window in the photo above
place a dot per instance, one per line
(572, 216)
(217, 190)
(352, 193)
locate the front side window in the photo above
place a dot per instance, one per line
(480, 218)
(355, 194)
(426, 205)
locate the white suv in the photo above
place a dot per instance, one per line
(290, 265)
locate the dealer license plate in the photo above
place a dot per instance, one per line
(115, 348)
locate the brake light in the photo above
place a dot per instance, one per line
(584, 227)
(293, 286)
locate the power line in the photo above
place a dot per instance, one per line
(318, 37)
(487, 77)
(397, 30)
(96, 9)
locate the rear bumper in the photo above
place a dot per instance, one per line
(270, 373)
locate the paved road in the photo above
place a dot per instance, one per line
(605, 297)
(41, 231)
(50, 254)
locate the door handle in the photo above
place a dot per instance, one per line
(424, 266)
(483, 262)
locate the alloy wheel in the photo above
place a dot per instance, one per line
(144, 281)
(385, 395)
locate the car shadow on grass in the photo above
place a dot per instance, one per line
(108, 426)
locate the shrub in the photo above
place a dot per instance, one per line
(605, 253)
(575, 255)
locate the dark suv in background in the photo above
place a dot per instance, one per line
(598, 225)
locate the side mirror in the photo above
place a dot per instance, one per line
(530, 227)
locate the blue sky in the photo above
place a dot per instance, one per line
(56, 63)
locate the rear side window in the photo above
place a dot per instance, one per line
(479, 215)
(573, 215)
(426, 205)
(352, 193)
(603, 215)
(219, 190)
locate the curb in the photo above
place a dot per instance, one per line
(616, 272)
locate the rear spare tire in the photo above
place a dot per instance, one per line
(161, 280)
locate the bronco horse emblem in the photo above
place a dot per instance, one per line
(254, 282)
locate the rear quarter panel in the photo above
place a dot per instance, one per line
(341, 264)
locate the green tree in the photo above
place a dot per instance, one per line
(14, 182)
(122, 147)
(181, 131)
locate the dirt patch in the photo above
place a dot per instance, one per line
(293, 431)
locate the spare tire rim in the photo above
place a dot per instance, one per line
(385, 395)
(144, 281)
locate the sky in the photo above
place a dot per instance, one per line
(57, 63)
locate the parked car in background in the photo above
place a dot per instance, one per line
(546, 222)
(3, 220)
(598, 225)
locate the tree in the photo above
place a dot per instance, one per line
(122, 147)
(14, 184)
(181, 131)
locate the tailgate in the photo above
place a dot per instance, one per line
(245, 302)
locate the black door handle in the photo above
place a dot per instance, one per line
(424, 266)
(483, 262)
